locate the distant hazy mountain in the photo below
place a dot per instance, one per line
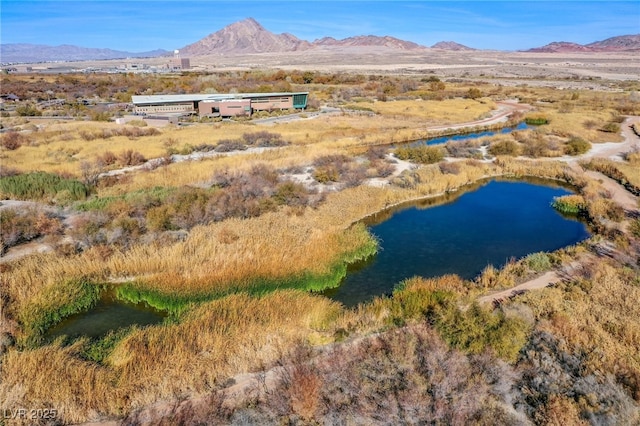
(248, 36)
(626, 43)
(29, 53)
(451, 45)
(369, 40)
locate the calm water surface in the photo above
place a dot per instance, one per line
(466, 136)
(489, 225)
(109, 314)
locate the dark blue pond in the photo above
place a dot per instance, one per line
(485, 225)
(109, 314)
(467, 136)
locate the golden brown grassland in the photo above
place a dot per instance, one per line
(242, 319)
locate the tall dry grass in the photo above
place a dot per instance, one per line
(236, 333)
(216, 341)
(597, 315)
(265, 251)
(272, 247)
(434, 112)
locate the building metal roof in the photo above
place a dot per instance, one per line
(197, 97)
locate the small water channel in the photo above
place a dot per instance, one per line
(467, 136)
(109, 314)
(488, 223)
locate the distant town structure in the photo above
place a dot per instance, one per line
(178, 63)
(219, 105)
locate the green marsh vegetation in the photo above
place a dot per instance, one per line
(42, 186)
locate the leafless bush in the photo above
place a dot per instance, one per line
(131, 158)
(228, 145)
(464, 149)
(8, 171)
(21, 226)
(90, 172)
(382, 168)
(13, 140)
(107, 158)
(376, 153)
(449, 168)
(264, 139)
(204, 147)
(87, 136)
(88, 228)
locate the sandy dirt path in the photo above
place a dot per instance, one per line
(500, 114)
(545, 280)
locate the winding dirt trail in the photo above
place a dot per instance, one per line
(502, 113)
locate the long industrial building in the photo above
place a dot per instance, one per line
(219, 105)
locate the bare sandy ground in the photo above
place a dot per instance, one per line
(558, 70)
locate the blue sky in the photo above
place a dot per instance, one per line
(141, 25)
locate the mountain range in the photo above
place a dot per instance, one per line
(628, 43)
(29, 53)
(248, 37)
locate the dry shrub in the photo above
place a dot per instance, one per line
(227, 236)
(228, 145)
(576, 146)
(449, 168)
(491, 277)
(464, 149)
(130, 158)
(264, 139)
(8, 171)
(339, 168)
(423, 154)
(304, 391)
(21, 226)
(559, 410)
(107, 158)
(504, 147)
(13, 140)
(376, 153)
